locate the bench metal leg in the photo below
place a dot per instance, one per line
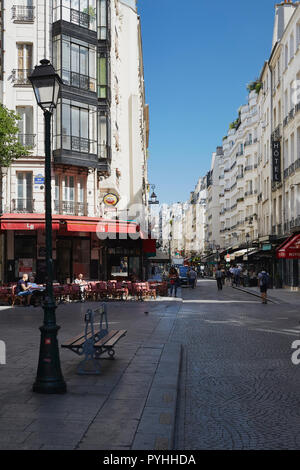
(89, 352)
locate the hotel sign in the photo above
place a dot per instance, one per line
(276, 159)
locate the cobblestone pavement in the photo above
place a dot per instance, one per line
(239, 388)
(109, 411)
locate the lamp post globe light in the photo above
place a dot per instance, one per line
(49, 379)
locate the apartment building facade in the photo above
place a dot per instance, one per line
(259, 180)
(100, 137)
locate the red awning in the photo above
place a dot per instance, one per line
(290, 249)
(103, 226)
(25, 222)
(69, 224)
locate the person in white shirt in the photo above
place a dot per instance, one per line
(82, 283)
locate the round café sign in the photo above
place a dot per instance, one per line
(110, 199)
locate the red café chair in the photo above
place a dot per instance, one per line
(102, 290)
(121, 291)
(91, 291)
(128, 284)
(111, 288)
(14, 298)
(5, 294)
(66, 292)
(140, 290)
(75, 292)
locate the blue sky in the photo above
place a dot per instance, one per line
(199, 56)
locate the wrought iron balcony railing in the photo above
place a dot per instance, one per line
(22, 205)
(71, 208)
(20, 76)
(77, 80)
(82, 19)
(23, 14)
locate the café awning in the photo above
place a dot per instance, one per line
(25, 222)
(290, 249)
(70, 224)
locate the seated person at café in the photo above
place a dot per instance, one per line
(37, 291)
(82, 283)
(24, 289)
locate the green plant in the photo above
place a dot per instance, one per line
(10, 147)
(254, 86)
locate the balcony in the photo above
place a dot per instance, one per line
(22, 14)
(239, 154)
(82, 19)
(71, 208)
(27, 140)
(248, 193)
(78, 80)
(276, 135)
(20, 77)
(247, 143)
(22, 206)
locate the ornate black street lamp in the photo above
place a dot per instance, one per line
(153, 198)
(46, 84)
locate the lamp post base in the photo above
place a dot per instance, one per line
(49, 377)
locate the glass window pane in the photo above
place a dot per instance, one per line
(65, 120)
(75, 121)
(84, 124)
(74, 58)
(84, 61)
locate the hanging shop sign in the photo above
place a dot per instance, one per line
(276, 159)
(110, 199)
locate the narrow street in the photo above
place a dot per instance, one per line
(238, 386)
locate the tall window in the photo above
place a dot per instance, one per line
(103, 75)
(104, 129)
(24, 201)
(102, 23)
(25, 125)
(298, 35)
(292, 46)
(70, 194)
(75, 61)
(80, 12)
(76, 127)
(24, 63)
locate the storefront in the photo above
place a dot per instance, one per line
(97, 248)
(288, 255)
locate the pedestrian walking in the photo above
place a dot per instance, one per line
(192, 278)
(219, 278)
(263, 283)
(174, 281)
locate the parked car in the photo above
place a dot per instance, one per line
(184, 280)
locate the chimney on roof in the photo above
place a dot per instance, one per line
(283, 13)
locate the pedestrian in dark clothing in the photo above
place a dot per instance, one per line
(263, 283)
(219, 278)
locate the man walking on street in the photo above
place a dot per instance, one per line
(263, 283)
(219, 278)
(193, 278)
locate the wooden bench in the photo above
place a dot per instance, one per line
(94, 341)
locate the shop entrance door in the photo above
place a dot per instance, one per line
(64, 261)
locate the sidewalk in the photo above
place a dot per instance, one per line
(131, 405)
(281, 296)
